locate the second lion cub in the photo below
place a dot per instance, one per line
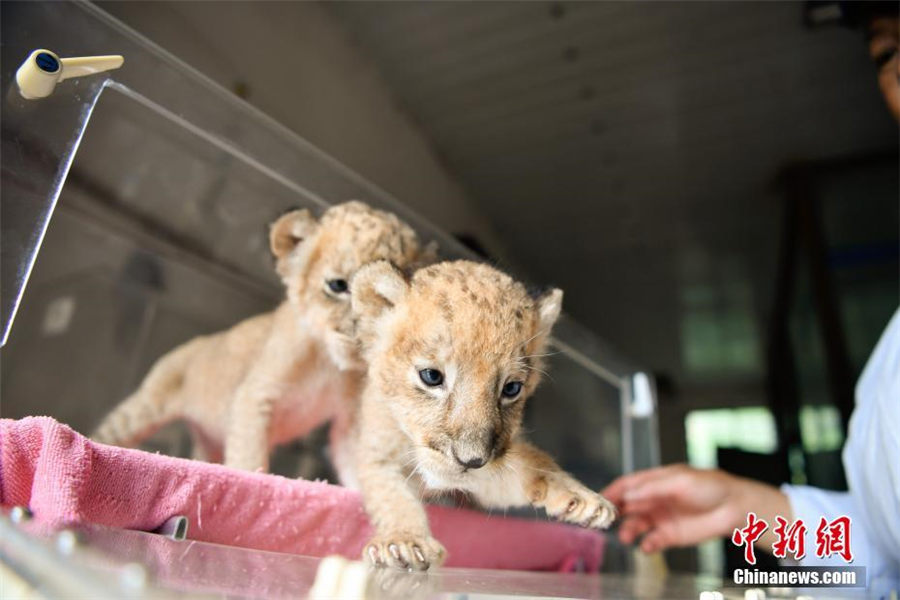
(453, 353)
(274, 377)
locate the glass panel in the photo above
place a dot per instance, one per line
(570, 394)
(39, 139)
(106, 563)
(160, 235)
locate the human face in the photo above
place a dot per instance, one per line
(883, 41)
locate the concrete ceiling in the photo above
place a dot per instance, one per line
(626, 151)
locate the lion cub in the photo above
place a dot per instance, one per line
(276, 376)
(453, 353)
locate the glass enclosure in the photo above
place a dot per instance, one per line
(144, 194)
(112, 564)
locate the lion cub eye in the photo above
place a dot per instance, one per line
(338, 286)
(431, 377)
(512, 389)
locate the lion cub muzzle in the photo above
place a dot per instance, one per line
(474, 449)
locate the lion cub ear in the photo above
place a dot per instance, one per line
(377, 287)
(289, 230)
(549, 307)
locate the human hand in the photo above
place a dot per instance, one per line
(678, 505)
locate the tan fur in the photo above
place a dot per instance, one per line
(276, 376)
(481, 330)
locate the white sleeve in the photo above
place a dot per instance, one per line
(811, 504)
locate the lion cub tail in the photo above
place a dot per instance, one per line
(154, 404)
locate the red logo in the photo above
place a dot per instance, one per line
(748, 535)
(834, 538)
(790, 539)
(831, 538)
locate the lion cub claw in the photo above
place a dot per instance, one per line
(404, 551)
(567, 500)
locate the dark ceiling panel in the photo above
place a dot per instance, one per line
(616, 141)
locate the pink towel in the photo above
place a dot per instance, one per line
(65, 478)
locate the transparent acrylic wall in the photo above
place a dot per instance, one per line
(159, 234)
(114, 565)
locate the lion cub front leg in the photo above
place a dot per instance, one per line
(250, 413)
(545, 485)
(402, 537)
(247, 436)
(247, 443)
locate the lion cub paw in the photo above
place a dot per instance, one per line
(404, 551)
(571, 502)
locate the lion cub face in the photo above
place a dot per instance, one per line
(317, 259)
(453, 354)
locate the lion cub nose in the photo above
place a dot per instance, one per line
(473, 451)
(472, 463)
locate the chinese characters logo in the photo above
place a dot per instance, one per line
(832, 537)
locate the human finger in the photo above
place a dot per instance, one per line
(632, 528)
(616, 491)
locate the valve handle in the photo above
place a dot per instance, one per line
(43, 69)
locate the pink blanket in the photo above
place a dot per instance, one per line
(65, 478)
